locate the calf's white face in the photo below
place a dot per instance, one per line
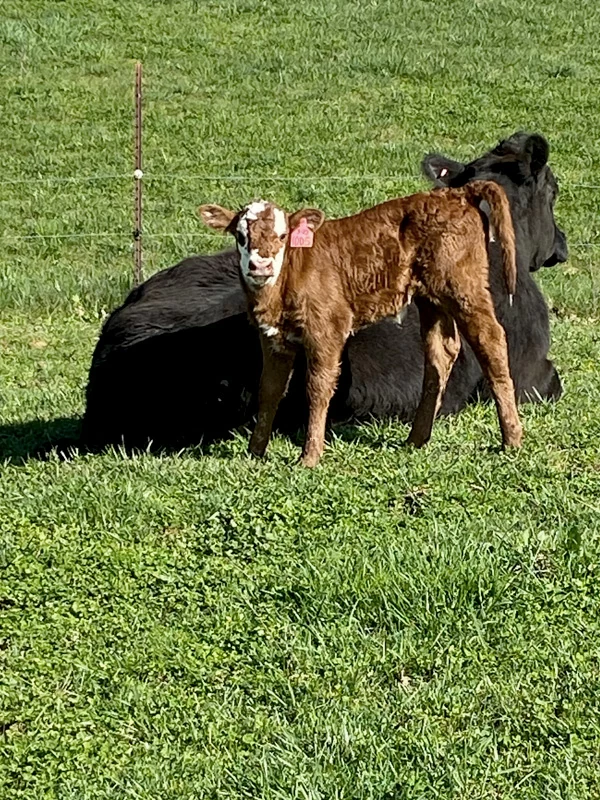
(261, 233)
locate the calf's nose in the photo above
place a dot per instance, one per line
(259, 261)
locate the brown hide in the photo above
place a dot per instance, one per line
(431, 246)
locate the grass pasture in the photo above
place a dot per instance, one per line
(390, 625)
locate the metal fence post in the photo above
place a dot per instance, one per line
(138, 269)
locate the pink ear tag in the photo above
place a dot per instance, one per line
(302, 236)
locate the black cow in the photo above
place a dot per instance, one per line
(178, 362)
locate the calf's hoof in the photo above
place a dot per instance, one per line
(513, 438)
(414, 440)
(310, 459)
(256, 451)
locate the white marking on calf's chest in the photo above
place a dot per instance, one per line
(269, 330)
(278, 338)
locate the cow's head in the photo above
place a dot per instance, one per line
(520, 165)
(261, 231)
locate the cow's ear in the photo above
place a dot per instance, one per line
(217, 217)
(441, 170)
(536, 151)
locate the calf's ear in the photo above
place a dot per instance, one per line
(536, 151)
(217, 217)
(313, 216)
(441, 170)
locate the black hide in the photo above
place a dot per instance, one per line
(179, 363)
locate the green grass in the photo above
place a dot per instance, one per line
(391, 625)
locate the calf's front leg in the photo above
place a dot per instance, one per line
(276, 373)
(322, 376)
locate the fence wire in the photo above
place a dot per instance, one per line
(106, 235)
(32, 237)
(184, 176)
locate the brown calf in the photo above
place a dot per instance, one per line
(312, 283)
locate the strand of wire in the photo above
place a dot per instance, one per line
(200, 177)
(183, 176)
(158, 235)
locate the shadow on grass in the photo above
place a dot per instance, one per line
(37, 438)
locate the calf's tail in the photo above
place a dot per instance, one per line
(501, 220)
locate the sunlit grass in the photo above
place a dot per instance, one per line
(394, 624)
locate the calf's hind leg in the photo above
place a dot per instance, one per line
(480, 327)
(441, 344)
(276, 374)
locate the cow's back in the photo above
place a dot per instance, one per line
(177, 358)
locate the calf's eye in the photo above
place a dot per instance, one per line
(282, 237)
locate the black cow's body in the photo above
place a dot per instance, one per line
(179, 362)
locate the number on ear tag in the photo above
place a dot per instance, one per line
(302, 236)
